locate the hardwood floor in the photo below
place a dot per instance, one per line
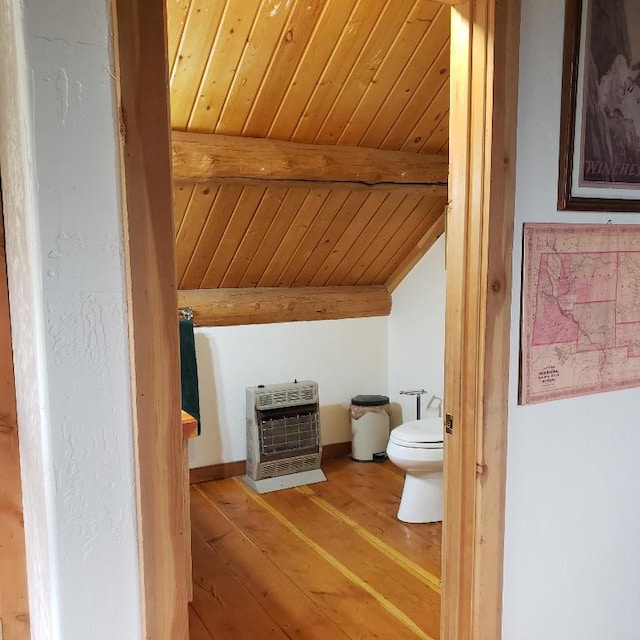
(323, 561)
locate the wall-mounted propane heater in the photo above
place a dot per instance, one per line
(283, 436)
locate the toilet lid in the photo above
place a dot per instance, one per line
(427, 433)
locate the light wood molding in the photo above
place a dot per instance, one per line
(14, 608)
(226, 307)
(485, 54)
(205, 157)
(145, 151)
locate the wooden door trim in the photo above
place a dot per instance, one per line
(14, 608)
(143, 102)
(485, 38)
(483, 123)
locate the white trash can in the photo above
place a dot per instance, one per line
(369, 428)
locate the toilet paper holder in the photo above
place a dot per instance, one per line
(418, 393)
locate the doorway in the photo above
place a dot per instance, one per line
(479, 225)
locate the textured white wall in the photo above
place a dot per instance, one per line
(345, 358)
(572, 521)
(65, 260)
(416, 334)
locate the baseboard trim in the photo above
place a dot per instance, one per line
(237, 468)
(336, 450)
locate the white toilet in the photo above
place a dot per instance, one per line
(417, 448)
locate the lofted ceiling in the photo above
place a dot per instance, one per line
(318, 75)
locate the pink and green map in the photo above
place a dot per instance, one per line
(581, 310)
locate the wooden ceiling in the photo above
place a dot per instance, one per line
(346, 73)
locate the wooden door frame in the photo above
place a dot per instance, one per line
(485, 38)
(149, 244)
(484, 75)
(14, 610)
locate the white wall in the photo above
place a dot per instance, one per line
(416, 335)
(345, 358)
(573, 496)
(68, 303)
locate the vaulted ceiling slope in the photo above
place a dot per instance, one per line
(372, 74)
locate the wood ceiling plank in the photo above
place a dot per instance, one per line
(409, 80)
(258, 227)
(349, 237)
(409, 231)
(316, 56)
(200, 30)
(381, 40)
(223, 60)
(343, 270)
(306, 15)
(309, 244)
(391, 234)
(427, 107)
(432, 130)
(430, 88)
(216, 222)
(176, 19)
(294, 235)
(327, 241)
(272, 238)
(379, 238)
(419, 250)
(243, 213)
(182, 194)
(266, 33)
(408, 236)
(345, 54)
(202, 156)
(196, 215)
(401, 55)
(439, 136)
(231, 239)
(226, 307)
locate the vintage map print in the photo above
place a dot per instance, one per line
(581, 310)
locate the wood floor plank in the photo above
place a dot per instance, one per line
(348, 603)
(298, 615)
(328, 560)
(405, 539)
(380, 485)
(222, 602)
(197, 630)
(390, 579)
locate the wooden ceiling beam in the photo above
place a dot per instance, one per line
(264, 305)
(206, 157)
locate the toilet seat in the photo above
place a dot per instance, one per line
(419, 434)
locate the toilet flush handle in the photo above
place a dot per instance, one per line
(417, 393)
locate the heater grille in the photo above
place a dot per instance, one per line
(289, 433)
(283, 429)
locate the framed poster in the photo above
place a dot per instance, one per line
(600, 117)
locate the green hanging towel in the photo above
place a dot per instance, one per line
(189, 371)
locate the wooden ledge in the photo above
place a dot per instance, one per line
(189, 426)
(228, 307)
